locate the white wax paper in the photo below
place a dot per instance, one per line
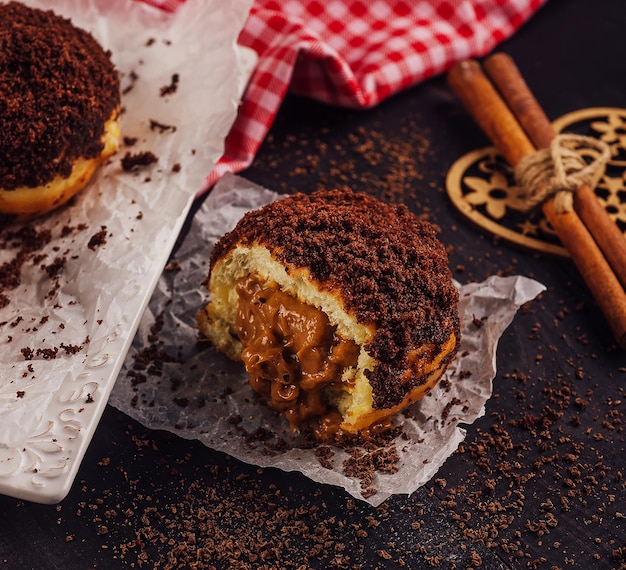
(200, 394)
(49, 407)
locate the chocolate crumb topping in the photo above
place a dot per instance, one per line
(59, 88)
(389, 268)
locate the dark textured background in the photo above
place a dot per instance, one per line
(539, 480)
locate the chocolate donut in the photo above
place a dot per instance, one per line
(341, 307)
(59, 109)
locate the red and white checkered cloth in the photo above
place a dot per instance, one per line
(354, 53)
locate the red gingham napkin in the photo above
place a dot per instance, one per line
(354, 53)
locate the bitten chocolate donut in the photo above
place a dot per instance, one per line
(341, 307)
(59, 109)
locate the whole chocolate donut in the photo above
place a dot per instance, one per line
(59, 109)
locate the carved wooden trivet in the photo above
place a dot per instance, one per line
(482, 187)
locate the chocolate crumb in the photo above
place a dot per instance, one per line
(28, 353)
(162, 128)
(173, 266)
(324, 454)
(24, 242)
(478, 323)
(98, 239)
(133, 79)
(136, 161)
(172, 87)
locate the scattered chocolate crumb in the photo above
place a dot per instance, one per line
(70, 349)
(24, 242)
(172, 87)
(98, 239)
(151, 360)
(47, 353)
(28, 353)
(478, 323)
(173, 266)
(364, 462)
(162, 128)
(54, 268)
(138, 160)
(448, 407)
(324, 454)
(133, 79)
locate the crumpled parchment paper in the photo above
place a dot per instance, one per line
(200, 394)
(67, 327)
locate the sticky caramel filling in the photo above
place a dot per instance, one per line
(291, 352)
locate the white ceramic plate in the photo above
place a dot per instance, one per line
(70, 322)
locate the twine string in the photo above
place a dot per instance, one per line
(560, 169)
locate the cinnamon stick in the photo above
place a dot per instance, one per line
(503, 73)
(493, 115)
(507, 78)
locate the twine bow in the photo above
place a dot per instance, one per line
(560, 169)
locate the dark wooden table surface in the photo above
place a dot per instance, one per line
(539, 481)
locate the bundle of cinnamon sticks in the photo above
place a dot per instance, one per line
(502, 104)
